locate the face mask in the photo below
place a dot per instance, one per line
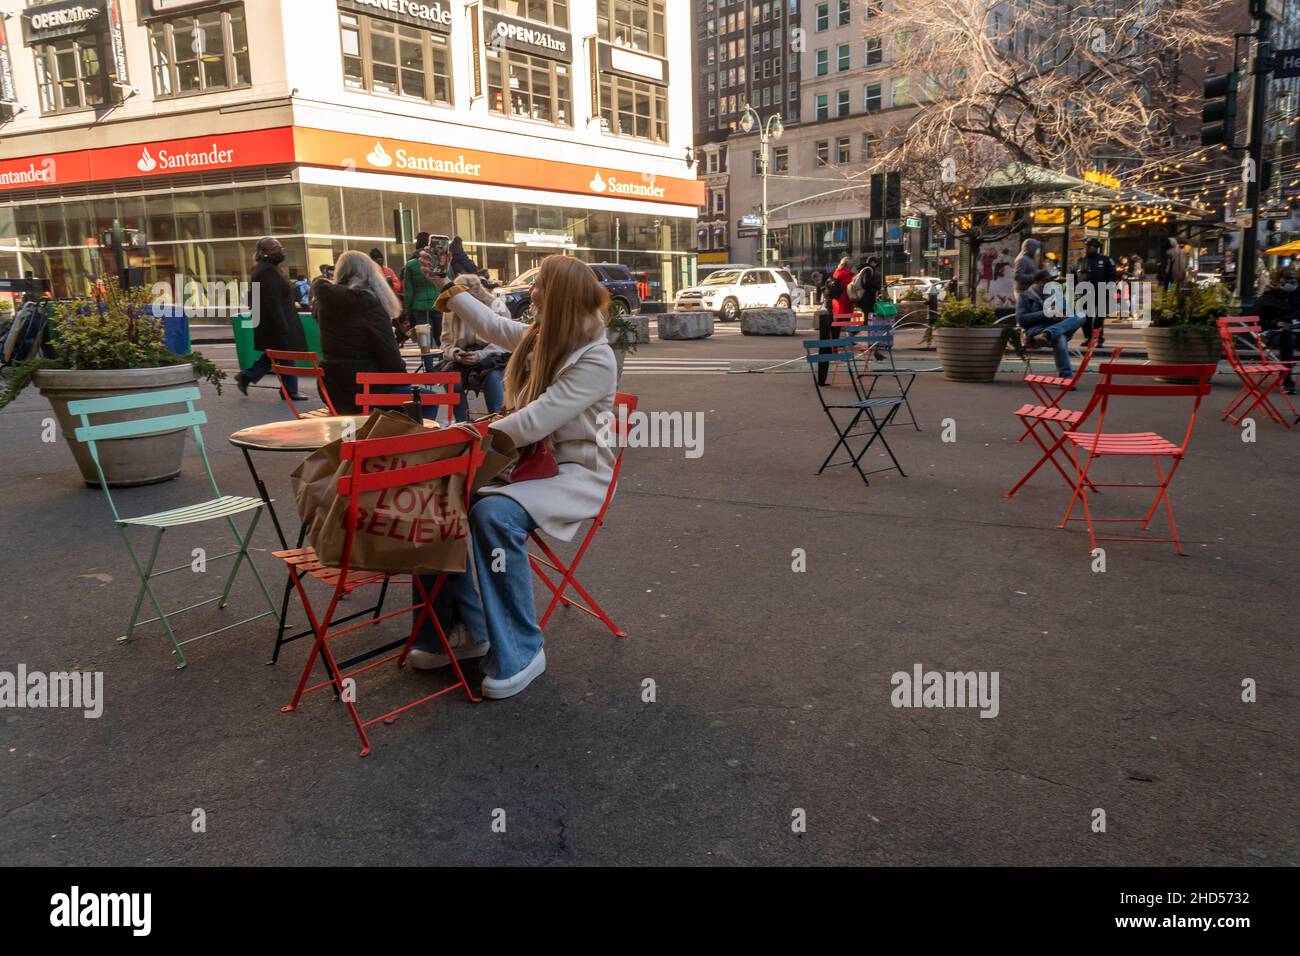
(275, 258)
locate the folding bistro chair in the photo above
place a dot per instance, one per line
(385, 398)
(1259, 380)
(624, 406)
(1098, 443)
(818, 351)
(1050, 389)
(283, 364)
(304, 563)
(872, 340)
(218, 507)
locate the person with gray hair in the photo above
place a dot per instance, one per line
(355, 313)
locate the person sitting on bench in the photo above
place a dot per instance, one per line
(1039, 322)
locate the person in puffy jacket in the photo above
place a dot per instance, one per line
(1027, 264)
(355, 313)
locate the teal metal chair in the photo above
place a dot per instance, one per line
(219, 507)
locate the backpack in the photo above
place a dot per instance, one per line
(858, 287)
(26, 335)
(834, 288)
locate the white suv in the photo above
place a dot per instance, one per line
(728, 291)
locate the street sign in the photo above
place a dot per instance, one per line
(748, 233)
(1280, 211)
(751, 221)
(1286, 63)
(913, 224)
(1245, 219)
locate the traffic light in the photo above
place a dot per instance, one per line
(1219, 113)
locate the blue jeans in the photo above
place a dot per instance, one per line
(493, 393)
(431, 318)
(1059, 333)
(501, 609)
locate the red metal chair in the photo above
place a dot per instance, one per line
(1098, 443)
(1050, 389)
(282, 364)
(304, 562)
(624, 406)
(1055, 422)
(367, 400)
(1258, 380)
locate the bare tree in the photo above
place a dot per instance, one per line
(1050, 83)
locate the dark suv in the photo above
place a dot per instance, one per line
(624, 294)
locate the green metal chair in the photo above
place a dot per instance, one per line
(219, 507)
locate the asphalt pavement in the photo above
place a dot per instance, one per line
(770, 608)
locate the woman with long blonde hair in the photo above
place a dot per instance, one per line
(559, 383)
(355, 313)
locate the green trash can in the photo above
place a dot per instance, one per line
(886, 310)
(244, 338)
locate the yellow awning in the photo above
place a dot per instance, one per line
(1288, 249)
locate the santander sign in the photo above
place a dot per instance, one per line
(167, 160)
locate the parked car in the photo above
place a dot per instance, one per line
(624, 292)
(728, 291)
(899, 286)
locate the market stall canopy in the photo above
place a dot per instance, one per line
(1017, 184)
(1287, 249)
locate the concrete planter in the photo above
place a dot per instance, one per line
(969, 355)
(685, 325)
(768, 322)
(914, 312)
(642, 323)
(1193, 347)
(126, 461)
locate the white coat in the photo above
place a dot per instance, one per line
(568, 412)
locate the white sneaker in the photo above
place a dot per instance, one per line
(497, 689)
(460, 643)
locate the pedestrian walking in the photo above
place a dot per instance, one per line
(825, 326)
(866, 286)
(1173, 268)
(275, 320)
(837, 289)
(391, 277)
(460, 263)
(419, 294)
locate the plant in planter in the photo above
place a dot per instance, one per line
(624, 336)
(969, 342)
(1183, 330)
(112, 345)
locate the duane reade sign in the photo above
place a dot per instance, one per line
(426, 13)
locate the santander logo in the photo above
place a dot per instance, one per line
(379, 157)
(146, 163)
(597, 184)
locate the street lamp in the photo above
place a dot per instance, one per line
(771, 130)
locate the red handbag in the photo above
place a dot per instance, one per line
(535, 461)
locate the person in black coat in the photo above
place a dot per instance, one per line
(275, 317)
(1279, 309)
(355, 313)
(460, 263)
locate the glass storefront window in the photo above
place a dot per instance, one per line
(380, 56)
(529, 87)
(638, 24)
(195, 54)
(70, 75)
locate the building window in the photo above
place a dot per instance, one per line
(875, 52)
(823, 17)
(843, 57)
(380, 56)
(872, 101)
(719, 201)
(554, 12)
(538, 89)
(199, 53)
(843, 152)
(844, 14)
(756, 165)
(70, 76)
(823, 106)
(869, 144)
(842, 103)
(822, 149)
(638, 24)
(781, 160)
(823, 62)
(632, 108)
(899, 95)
